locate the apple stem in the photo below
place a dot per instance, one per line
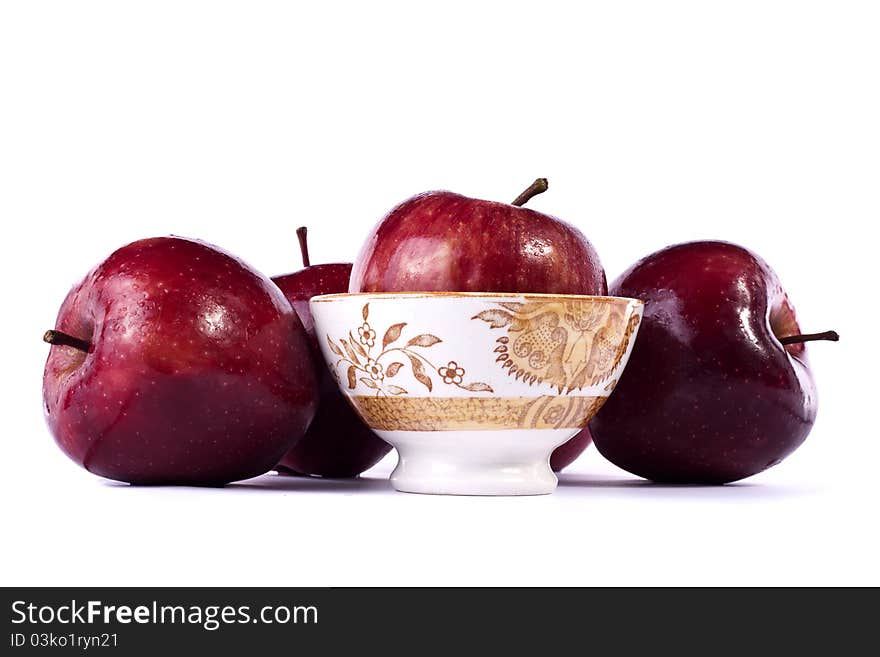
(59, 338)
(809, 337)
(302, 233)
(538, 187)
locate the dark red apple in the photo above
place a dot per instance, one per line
(564, 455)
(173, 362)
(717, 387)
(337, 444)
(440, 241)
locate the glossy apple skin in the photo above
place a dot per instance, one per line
(441, 241)
(199, 371)
(709, 395)
(337, 444)
(564, 455)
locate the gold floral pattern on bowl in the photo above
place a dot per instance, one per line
(476, 413)
(372, 368)
(570, 344)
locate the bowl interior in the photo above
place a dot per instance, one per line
(339, 296)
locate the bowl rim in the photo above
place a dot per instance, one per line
(338, 296)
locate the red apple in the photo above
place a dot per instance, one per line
(337, 443)
(717, 387)
(173, 362)
(440, 241)
(564, 455)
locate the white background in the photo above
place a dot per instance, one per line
(656, 122)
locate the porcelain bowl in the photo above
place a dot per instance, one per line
(475, 390)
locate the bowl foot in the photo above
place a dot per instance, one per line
(475, 462)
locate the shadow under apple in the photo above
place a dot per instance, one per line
(737, 491)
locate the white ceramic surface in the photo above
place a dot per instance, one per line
(475, 390)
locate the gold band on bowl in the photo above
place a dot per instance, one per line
(476, 413)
